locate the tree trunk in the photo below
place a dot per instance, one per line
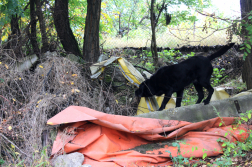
(45, 46)
(14, 38)
(153, 39)
(120, 26)
(33, 34)
(246, 7)
(91, 51)
(62, 25)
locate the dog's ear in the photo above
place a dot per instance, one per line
(139, 92)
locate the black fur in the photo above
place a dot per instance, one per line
(175, 78)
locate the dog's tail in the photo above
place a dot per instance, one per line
(221, 51)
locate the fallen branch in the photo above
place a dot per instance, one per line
(142, 68)
(14, 145)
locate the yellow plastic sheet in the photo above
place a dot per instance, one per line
(135, 77)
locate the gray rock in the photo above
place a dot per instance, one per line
(69, 160)
(86, 165)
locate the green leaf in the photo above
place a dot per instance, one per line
(244, 119)
(245, 55)
(248, 50)
(220, 124)
(249, 115)
(204, 156)
(226, 134)
(241, 131)
(247, 45)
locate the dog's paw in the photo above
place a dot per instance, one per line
(206, 102)
(160, 109)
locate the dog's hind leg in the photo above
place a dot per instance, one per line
(165, 100)
(179, 97)
(199, 89)
(210, 90)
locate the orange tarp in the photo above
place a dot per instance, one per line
(103, 137)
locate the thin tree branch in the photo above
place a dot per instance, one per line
(14, 145)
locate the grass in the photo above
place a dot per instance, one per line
(168, 38)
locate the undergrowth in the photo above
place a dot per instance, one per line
(29, 98)
(234, 153)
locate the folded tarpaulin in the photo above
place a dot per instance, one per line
(106, 140)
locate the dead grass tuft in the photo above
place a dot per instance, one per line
(29, 98)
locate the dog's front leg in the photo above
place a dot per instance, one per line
(166, 99)
(179, 97)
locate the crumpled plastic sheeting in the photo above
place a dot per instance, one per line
(103, 137)
(135, 77)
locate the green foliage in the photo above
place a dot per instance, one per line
(182, 16)
(238, 149)
(150, 66)
(189, 98)
(1, 80)
(217, 76)
(134, 14)
(147, 60)
(246, 46)
(43, 161)
(245, 117)
(185, 56)
(230, 149)
(2, 161)
(147, 53)
(179, 159)
(8, 8)
(168, 55)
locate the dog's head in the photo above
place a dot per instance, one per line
(144, 90)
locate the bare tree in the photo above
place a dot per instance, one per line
(45, 46)
(154, 20)
(33, 34)
(153, 39)
(91, 51)
(62, 25)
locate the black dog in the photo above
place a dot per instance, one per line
(175, 78)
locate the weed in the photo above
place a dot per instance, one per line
(186, 56)
(168, 55)
(217, 76)
(232, 150)
(2, 161)
(179, 159)
(42, 162)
